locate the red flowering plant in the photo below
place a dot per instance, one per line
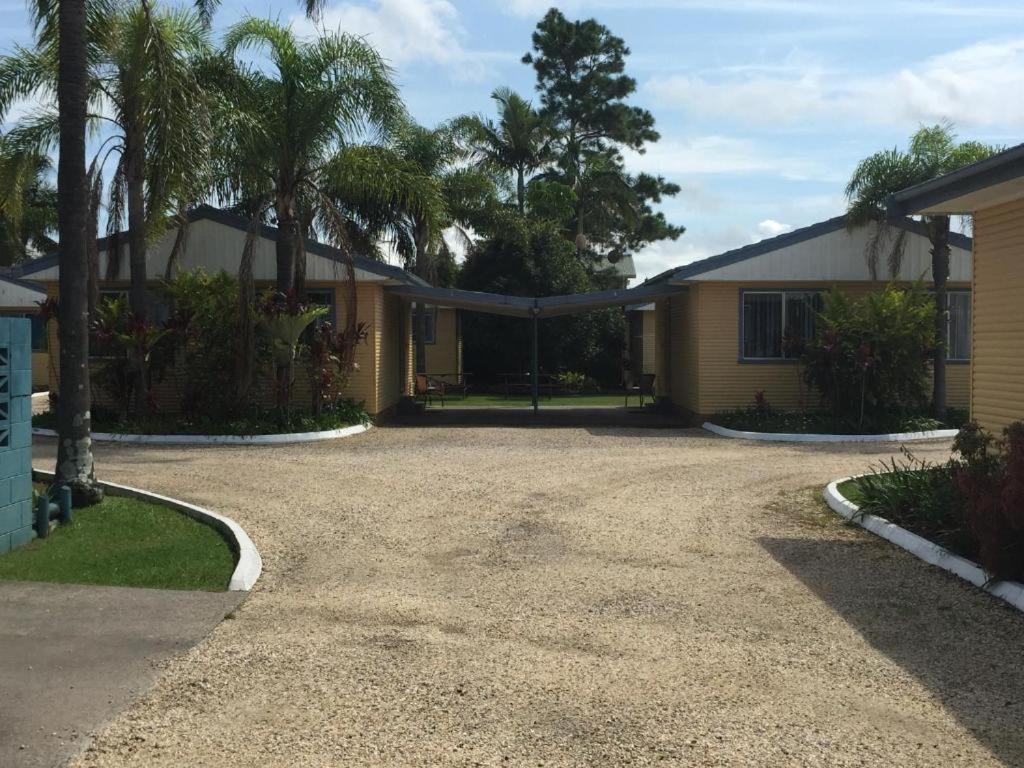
(282, 319)
(331, 360)
(124, 345)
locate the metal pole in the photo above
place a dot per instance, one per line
(534, 376)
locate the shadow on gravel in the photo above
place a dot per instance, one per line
(962, 644)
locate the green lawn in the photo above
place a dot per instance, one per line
(520, 401)
(850, 490)
(126, 543)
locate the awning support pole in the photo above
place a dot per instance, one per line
(534, 374)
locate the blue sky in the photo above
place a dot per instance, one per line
(764, 106)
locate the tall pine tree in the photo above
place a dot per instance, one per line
(580, 67)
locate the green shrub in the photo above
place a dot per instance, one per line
(917, 495)
(973, 504)
(871, 356)
(204, 342)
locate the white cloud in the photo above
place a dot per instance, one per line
(970, 86)
(716, 155)
(808, 8)
(772, 228)
(407, 31)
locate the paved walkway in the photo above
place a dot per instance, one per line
(73, 657)
(568, 597)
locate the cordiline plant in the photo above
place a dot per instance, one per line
(126, 344)
(331, 361)
(282, 319)
(990, 478)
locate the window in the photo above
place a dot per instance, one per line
(429, 325)
(777, 324)
(958, 331)
(159, 307)
(39, 340)
(323, 298)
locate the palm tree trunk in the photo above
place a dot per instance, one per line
(74, 428)
(300, 264)
(136, 174)
(939, 230)
(287, 235)
(521, 190)
(421, 238)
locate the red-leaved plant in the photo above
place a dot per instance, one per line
(990, 479)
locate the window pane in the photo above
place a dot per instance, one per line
(959, 339)
(802, 308)
(762, 325)
(39, 339)
(431, 326)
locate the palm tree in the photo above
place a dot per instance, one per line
(28, 204)
(286, 126)
(141, 67)
(933, 151)
(75, 465)
(290, 147)
(517, 144)
(467, 201)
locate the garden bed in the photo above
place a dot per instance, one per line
(256, 429)
(800, 426)
(127, 542)
(920, 535)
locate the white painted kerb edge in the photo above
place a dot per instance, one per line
(250, 564)
(1010, 591)
(281, 439)
(789, 437)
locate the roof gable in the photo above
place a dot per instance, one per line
(826, 251)
(223, 250)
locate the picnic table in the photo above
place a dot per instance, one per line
(516, 383)
(451, 382)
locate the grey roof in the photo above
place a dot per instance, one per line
(208, 212)
(784, 241)
(997, 169)
(531, 306)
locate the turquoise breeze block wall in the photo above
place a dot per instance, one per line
(15, 433)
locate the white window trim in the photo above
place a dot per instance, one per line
(949, 325)
(783, 292)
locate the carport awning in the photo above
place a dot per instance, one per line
(530, 306)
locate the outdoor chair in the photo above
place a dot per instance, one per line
(642, 387)
(428, 389)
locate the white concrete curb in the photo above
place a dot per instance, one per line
(788, 437)
(250, 564)
(1010, 591)
(280, 439)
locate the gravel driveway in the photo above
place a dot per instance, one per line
(568, 597)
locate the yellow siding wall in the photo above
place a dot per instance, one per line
(686, 326)
(394, 332)
(445, 354)
(662, 344)
(998, 330)
(40, 371)
(377, 382)
(707, 375)
(647, 347)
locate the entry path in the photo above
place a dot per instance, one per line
(72, 657)
(568, 597)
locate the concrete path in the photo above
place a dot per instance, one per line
(73, 657)
(488, 596)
